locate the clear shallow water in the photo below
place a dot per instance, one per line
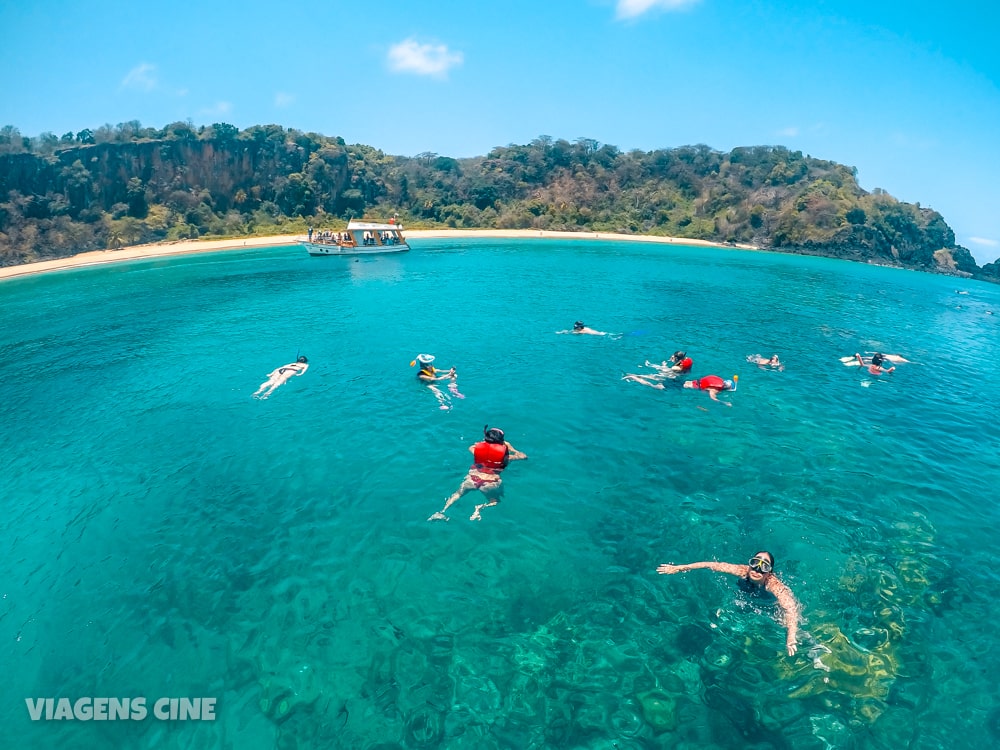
(165, 534)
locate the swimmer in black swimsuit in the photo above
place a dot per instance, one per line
(280, 376)
(756, 577)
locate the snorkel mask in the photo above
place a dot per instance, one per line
(493, 435)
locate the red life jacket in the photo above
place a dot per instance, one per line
(492, 456)
(712, 381)
(685, 364)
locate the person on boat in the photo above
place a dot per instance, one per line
(490, 457)
(310, 234)
(280, 376)
(757, 578)
(579, 327)
(874, 365)
(763, 362)
(713, 384)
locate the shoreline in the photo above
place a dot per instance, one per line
(186, 247)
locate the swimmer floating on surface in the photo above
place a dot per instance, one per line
(579, 327)
(763, 362)
(756, 578)
(713, 384)
(874, 364)
(430, 375)
(679, 362)
(490, 457)
(280, 376)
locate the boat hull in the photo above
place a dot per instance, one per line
(322, 248)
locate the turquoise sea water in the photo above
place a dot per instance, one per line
(166, 535)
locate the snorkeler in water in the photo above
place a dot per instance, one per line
(763, 362)
(430, 375)
(756, 577)
(679, 362)
(713, 385)
(579, 327)
(490, 457)
(874, 365)
(280, 376)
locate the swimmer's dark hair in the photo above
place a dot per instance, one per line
(679, 354)
(578, 324)
(302, 358)
(493, 435)
(878, 359)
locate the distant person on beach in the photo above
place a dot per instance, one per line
(713, 384)
(874, 365)
(579, 327)
(280, 376)
(490, 456)
(757, 579)
(763, 362)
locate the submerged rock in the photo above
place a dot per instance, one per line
(659, 710)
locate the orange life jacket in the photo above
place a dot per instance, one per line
(712, 381)
(490, 456)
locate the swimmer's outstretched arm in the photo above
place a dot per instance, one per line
(713, 394)
(791, 612)
(515, 454)
(718, 567)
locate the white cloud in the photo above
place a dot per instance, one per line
(141, 78)
(635, 8)
(789, 132)
(423, 59)
(983, 241)
(281, 99)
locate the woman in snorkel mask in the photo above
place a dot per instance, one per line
(490, 456)
(756, 578)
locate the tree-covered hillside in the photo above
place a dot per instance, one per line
(128, 184)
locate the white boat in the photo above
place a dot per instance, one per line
(360, 238)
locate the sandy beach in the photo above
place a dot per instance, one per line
(162, 249)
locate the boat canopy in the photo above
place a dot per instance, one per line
(372, 226)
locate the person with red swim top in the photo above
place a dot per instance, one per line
(713, 384)
(490, 456)
(679, 362)
(875, 364)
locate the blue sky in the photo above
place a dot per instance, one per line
(905, 92)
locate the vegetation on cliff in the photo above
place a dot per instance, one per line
(128, 184)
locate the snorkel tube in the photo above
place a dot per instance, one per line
(736, 381)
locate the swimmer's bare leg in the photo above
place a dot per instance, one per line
(467, 486)
(476, 514)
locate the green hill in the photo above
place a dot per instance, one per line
(130, 185)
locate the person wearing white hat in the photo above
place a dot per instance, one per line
(427, 372)
(429, 375)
